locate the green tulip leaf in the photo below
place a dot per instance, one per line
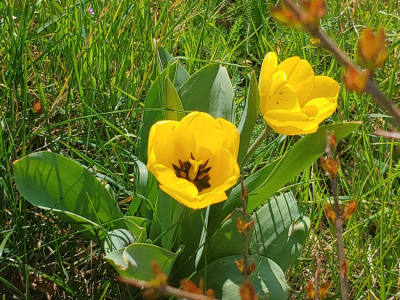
(137, 227)
(249, 118)
(191, 230)
(280, 231)
(227, 240)
(224, 277)
(266, 182)
(135, 261)
(169, 212)
(173, 105)
(118, 239)
(154, 107)
(209, 90)
(163, 59)
(57, 183)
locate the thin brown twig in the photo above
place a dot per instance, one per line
(388, 134)
(338, 226)
(164, 289)
(245, 233)
(370, 87)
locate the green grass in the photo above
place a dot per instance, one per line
(91, 74)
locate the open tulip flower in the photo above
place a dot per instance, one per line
(292, 99)
(194, 160)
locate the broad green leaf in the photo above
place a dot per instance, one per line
(88, 228)
(166, 208)
(118, 239)
(249, 118)
(280, 231)
(266, 182)
(137, 227)
(224, 277)
(190, 236)
(154, 104)
(227, 240)
(172, 102)
(209, 90)
(135, 261)
(163, 59)
(54, 182)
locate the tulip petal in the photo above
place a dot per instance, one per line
(288, 65)
(322, 106)
(177, 146)
(268, 67)
(160, 132)
(224, 172)
(209, 198)
(284, 99)
(167, 178)
(206, 130)
(232, 141)
(290, 123)
(181, 194)
(326, 87)
(300, 75)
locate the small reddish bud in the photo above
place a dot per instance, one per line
(286, 17)
(243, 226)
(372, 50)
(310, 293)
(37, 106)
(161, 278)
(189, 286)
(251, 268)
(345, 269)
(355, 80)
(323, 290)
(247, 291)
(330, 213)
(314, 11)
(332, 141)
(240, 265)
(210, 294)
(328, 165)
(250, 225)
(350, 209)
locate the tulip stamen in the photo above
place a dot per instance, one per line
(181, 164)
(194, 171)
(204, 165)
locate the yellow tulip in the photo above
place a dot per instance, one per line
(194, 160)
(292, 99)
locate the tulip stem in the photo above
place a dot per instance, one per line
(257, 143)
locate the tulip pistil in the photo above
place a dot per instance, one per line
(194, 171)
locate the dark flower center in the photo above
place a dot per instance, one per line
(194, 171)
